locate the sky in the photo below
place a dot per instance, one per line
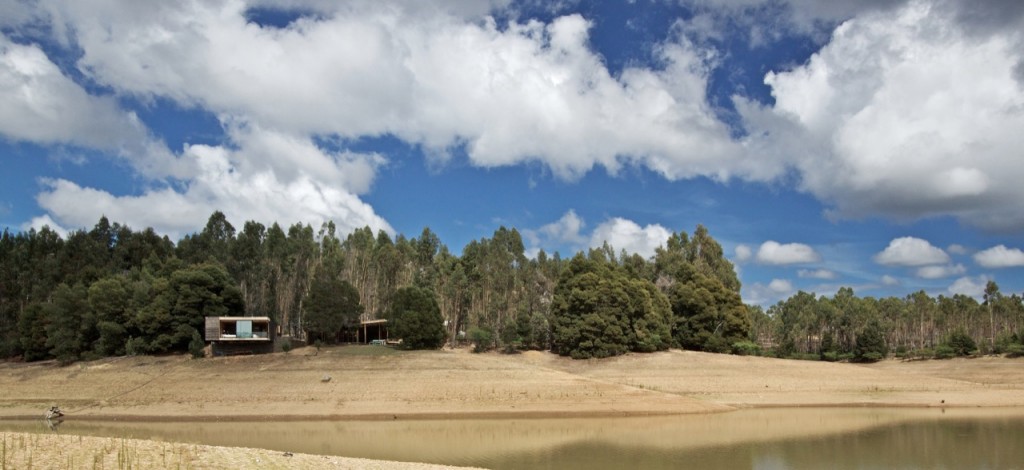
(876, 144)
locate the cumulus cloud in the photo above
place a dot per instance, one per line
(617, 232)
(45, 220)
(780, 286)
(969, 286)
(938, 272)
(939, 102)
(911, 251)
(624, 234)
(940, 96)
(234, 182)
(957, 249)
(888, 280)
(817, 274)
(765, 294)
(1000, 257)
(743, 253)
(772, 252)
(506, 94)
(43, 106)
(564, 231)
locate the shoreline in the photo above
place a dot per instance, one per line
(480, 393)
(495, 415)
(368, 383)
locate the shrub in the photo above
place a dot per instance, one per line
(1015, 350)
(944, 351)
(135, 346)
(924, 353)
(482, 338)
(716, 344)
(196, 346)
(286, 344)
(800, 356)
(872, 356)
(830, 356)
(746, 348)
(960, 343)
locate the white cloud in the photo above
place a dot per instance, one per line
(780, 286)
(817, 274)
(38, 223)
(743, 253)
(969, 286)
(565, 230)
(1000, 257)
(910, 251)
(43, 106)
(507, 93)
(939, 101)
(888, 280)
(772, 252)
(761, 294)
(623, 234)
(238, 182)
(957, 249)
(938, 272)
(619, 233)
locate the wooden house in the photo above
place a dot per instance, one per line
(240, 335)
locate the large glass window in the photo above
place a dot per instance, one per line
(244, 328)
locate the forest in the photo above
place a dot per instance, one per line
(113, 291)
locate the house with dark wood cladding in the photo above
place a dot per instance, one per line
(240, 335)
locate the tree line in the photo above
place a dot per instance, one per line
(111, 290)
(915, 326)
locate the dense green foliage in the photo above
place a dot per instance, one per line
(415, 318)
(482, 339)
(870, 345)
(960, 344)
(916, 326)
(111, 291)
(600, 311)
(330, 305)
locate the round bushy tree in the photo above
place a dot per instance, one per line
(599, 311)
(707, 315)
(416, 318)
(331, 304)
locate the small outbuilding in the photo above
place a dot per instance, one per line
(372, 332)
(240, 335)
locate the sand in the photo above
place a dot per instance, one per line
(377, 383)
(56, 451)
(367, 382)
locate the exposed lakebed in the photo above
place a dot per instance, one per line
(753, 438)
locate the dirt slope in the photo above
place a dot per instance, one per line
(380, 383)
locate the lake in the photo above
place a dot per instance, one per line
(755, 439)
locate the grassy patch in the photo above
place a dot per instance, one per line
(360, 350)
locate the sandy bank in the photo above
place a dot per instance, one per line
(380, 383)
(28, 450)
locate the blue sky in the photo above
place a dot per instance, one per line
(870, 144)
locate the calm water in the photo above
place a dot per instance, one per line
(755, 439)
